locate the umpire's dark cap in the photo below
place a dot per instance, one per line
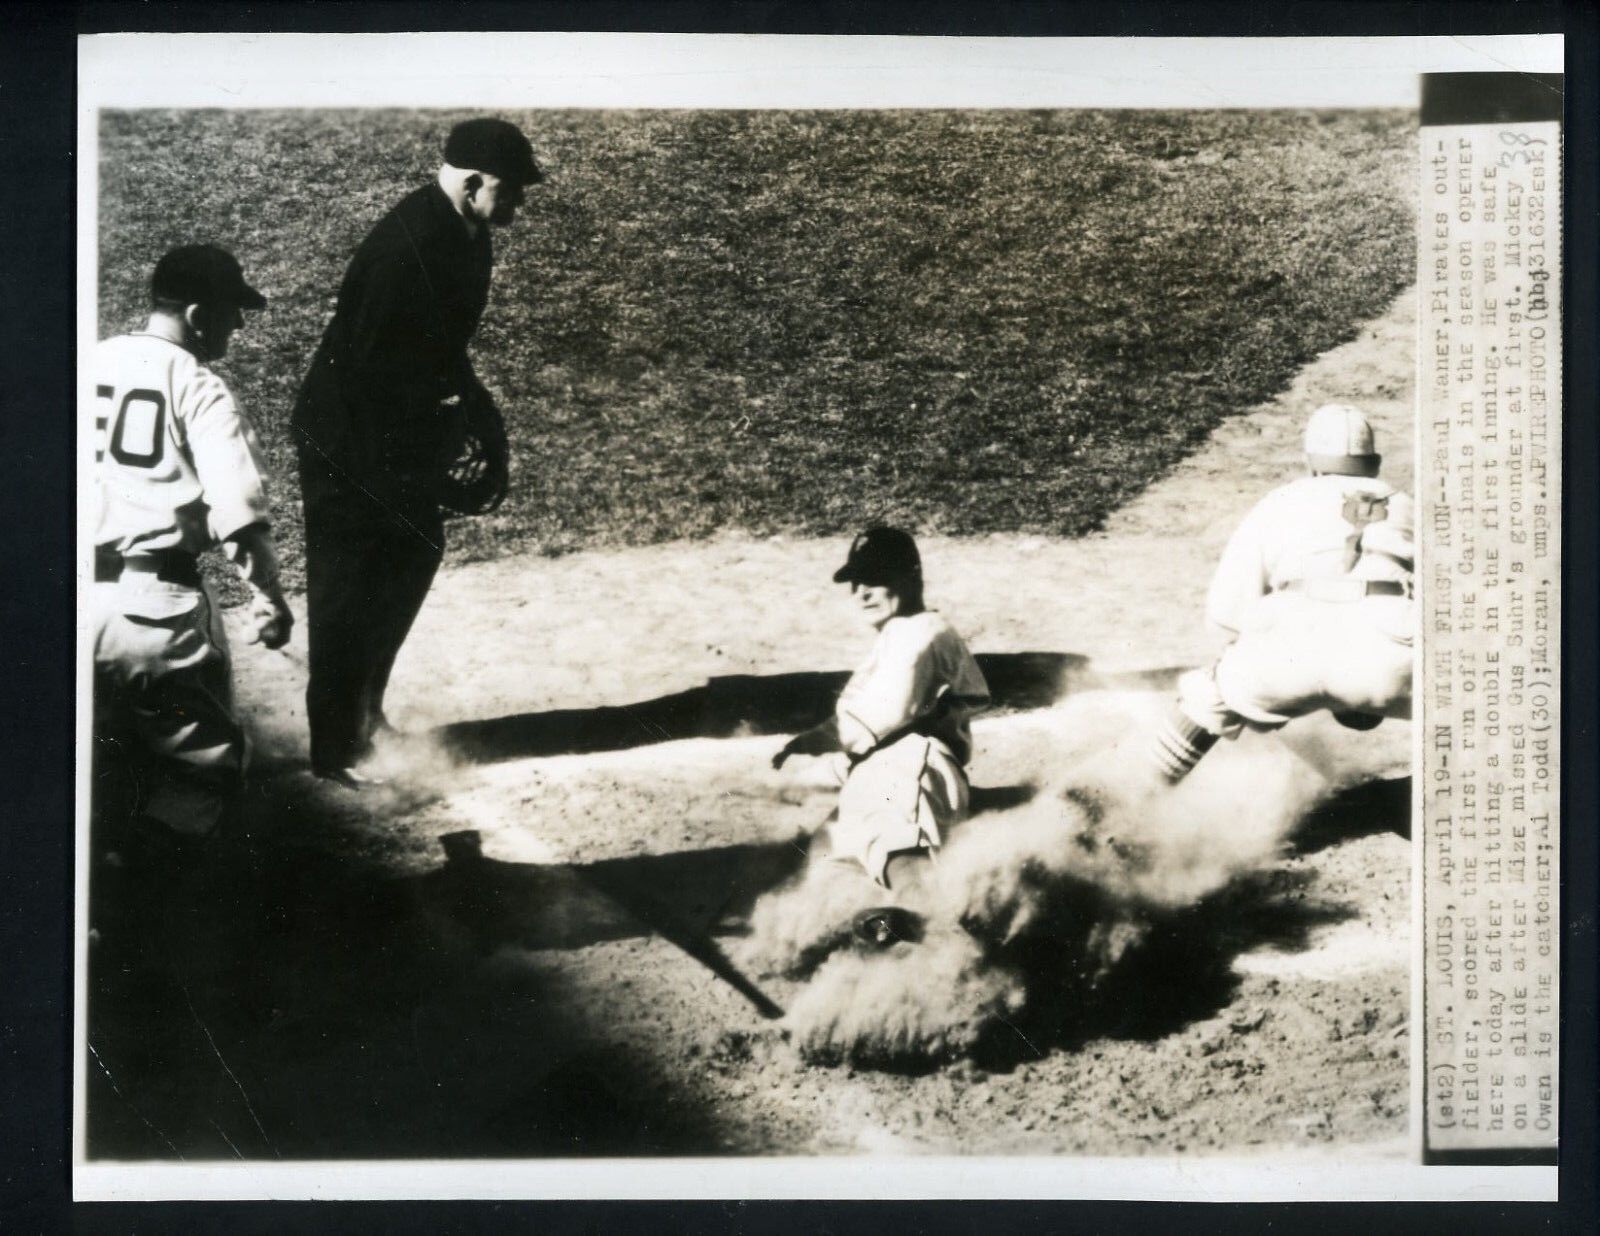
(881, 556)
(203, 275)
(493, 146)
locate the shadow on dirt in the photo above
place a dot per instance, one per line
(1382, 806)
(280, 1001)
(1171, 970)
(275, 1001)
(986, 798)
(682, 897)
(753, 704)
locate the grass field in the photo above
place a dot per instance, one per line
(800, 321)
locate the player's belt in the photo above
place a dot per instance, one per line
(1347, 589)
(172, 567)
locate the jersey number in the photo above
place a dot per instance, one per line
(137, 437)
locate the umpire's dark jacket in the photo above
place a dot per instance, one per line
(368, 415)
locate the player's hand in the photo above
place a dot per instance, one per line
(818, 740)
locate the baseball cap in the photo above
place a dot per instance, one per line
(880, 556)
(493, 146)
(203, 275)
(1339, 440)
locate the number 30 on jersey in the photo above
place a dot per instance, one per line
(138, 426)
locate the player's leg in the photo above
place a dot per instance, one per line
(893, 801)
(1268, 675)
(1297, 655)
(345, 574)
(1194, 723)
(335, 660)
(166, 880)
(1369, 678)
(115, 777)
(119, 771)
(413, 560)
(897, 822)
(159, 653)
(1336, 655)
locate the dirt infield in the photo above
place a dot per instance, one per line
(527, 944)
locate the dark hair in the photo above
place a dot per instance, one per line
(908, 588)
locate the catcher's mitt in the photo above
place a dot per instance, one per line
(476, 480)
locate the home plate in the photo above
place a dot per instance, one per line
(1349, 948)
(519, 845)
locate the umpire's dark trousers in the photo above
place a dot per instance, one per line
(369, 565)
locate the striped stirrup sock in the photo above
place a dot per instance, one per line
(1178, 746)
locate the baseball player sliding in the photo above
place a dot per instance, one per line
(1314, 592)
(900, 737)
(178, 470)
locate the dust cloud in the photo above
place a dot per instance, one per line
(1054, 893)
(934, 1002)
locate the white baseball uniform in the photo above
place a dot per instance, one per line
(1315, 587)
(904, 726)
(178, 469)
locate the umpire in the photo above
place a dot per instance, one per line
(389, 404)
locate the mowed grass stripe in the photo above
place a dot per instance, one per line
(800, 321)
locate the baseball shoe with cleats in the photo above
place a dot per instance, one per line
(882, 927)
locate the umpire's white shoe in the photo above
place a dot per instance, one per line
(349, 778)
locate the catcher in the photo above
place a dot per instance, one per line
(900, 738)
(1315, 595)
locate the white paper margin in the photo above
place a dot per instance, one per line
(526, 71)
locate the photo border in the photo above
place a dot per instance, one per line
(37, 760)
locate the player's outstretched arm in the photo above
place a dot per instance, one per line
(820, 739)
